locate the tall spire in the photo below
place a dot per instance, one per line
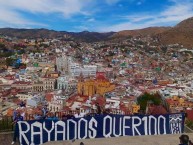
(81, 77)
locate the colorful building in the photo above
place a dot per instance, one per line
(177, 104)
(89, 87)
(135, 108)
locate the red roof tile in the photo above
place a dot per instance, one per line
(156, 110)
(49, 97)
(189, 114)
(100, 76)
(22, 83)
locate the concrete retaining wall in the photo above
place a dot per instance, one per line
(136, 140)
(6, 139)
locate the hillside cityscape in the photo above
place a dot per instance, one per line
(127, 72)
(58, 74)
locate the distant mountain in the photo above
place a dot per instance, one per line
(182, 33)
(45, 33)
(186, 24)
(31, 33)
(141, 32)
(91, 36)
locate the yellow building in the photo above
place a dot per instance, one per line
(175, 98)
(90, 87)
(2, 63)
(177, 103)
(135, 108)
(54, 75)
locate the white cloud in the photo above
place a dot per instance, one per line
(10, 9)
(139, 3)
(120, 5)
(80, 28)
(111, 2)
(173, 14)
(66, 7)
(91, 20)
(138, 18)
(178, 9)
(13, 19)
(11, 13)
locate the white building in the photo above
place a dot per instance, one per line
(62, 63)
(66, 64)
(49, 83)
(24, 96)
(56, 104)
(62, 82)
(66, 83)
(191, 85)
(24, 77)
(31, 102)
(35, 100)
(6, 81)
(87, 70)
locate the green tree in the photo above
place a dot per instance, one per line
(9, 61)
(22, 51)
(143, 99)
(189, 123)
(2, 46)
(6, 54)
(44, 45)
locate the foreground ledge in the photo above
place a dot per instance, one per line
(129, 140)
(6, 139)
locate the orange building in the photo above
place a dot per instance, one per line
(135, 108)
(89, 87)
(176, 104)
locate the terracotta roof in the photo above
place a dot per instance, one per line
(163, 82)
(100, 78)
(7, 76)
(30, 111)
(37, 111)
(66, 108)
(125, 110)
(9, 112)
(101, 100)
(78, 98)
(171, 101)
(49, 97)
(16, 101)
(156, 110)
(5, 93)
(22, 67)
(85, 107)
(22, 83)
(189, 114)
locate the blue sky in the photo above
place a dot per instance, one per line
(93, 15)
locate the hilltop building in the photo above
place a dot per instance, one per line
(89, 87)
